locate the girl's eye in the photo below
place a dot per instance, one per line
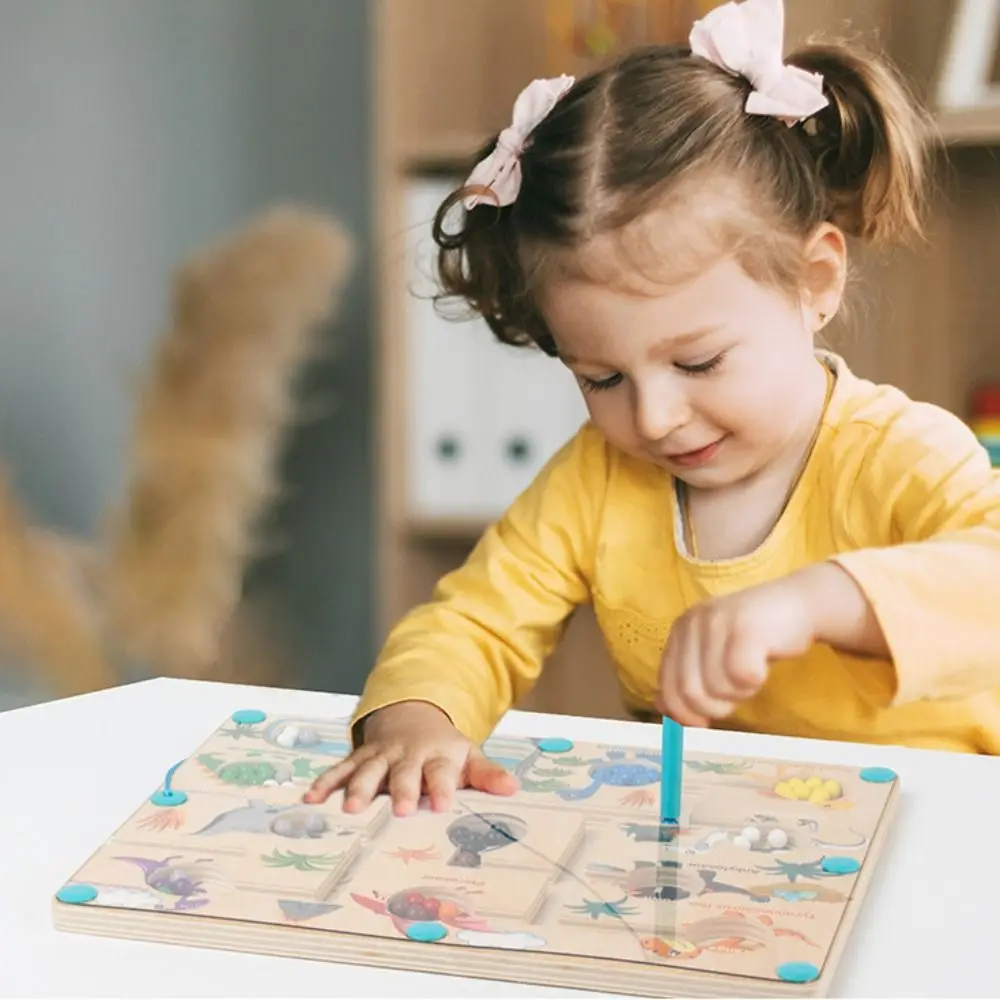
(705, 366)
(597, 385)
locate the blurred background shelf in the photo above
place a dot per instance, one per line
(970, 126)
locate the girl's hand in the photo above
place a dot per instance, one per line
(719, 652)
(411, 748)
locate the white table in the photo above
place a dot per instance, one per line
(74, 770)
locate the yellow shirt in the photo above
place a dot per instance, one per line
(899, 492)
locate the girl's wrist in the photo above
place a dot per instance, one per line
(840, 611)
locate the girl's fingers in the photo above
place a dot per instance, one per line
(442, 777)
(487, 775)
(405, 784)
(332, 778)
(365, 784)
(722, 688)
(682, 691)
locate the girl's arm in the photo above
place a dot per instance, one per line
(924, 584)
(478, 646)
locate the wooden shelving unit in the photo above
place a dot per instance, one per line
(447, 74)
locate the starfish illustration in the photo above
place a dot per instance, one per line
(408, 854)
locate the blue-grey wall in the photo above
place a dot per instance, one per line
(132, 131)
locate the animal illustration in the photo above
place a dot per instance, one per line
(478, 833)
(615, 771)
(128, 897)
(420, 904)
(729, 932)
(666, 879)
(663, 879)
(257, 816)
(184, 881)
(258, 771)
(711, 883)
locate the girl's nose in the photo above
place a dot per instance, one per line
(659, 411)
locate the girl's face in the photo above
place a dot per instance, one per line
(714, 379)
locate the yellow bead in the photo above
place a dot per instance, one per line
(833, 788)
(819, 795)
(814, 782)
(798, 787)
(783, 789)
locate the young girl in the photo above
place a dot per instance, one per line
(770, 542)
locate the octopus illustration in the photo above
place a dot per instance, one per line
(478, 833)
(616, 771)
(184, 881)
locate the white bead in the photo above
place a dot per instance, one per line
(287, 737)
(751, 833)
(777, 838)
(742, 843)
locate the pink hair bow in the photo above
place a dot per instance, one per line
(746, 39)
(500, 172)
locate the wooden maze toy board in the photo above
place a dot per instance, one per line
(571, 883)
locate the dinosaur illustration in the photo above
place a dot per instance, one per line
(255, 772)
(257, 816)
(184, 881)
(128, 897)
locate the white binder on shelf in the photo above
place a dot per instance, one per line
(444, 463)
(482, 417)
(535, 407)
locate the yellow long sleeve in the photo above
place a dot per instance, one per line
(924, 509)
(900, 493)
(479, 644)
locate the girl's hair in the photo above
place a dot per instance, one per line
(663, 130)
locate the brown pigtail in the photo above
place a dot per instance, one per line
(479, 263)
(870, 144)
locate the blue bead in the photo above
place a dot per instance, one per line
(429, 931)
(168, 797)
(879, 775)
(798, 972)
(79, 893)
(841, 865)
(555, 744)
(248, 716)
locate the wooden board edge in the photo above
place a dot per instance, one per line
(315, 944)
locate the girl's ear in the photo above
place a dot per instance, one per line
(825, 275)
